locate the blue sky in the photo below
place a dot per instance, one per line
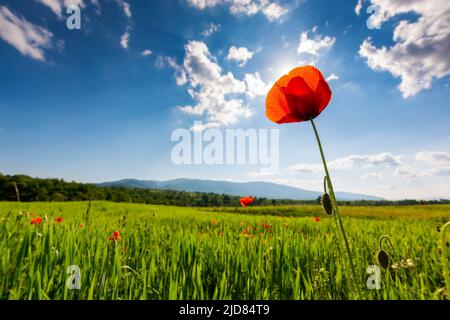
(100, 103)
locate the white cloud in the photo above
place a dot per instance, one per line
(306, 168)
(359, 6)
(274, 11)
(433, 158)
(420, 52)
(271, 9)
(212, 28)
(240, 55)
(59, 6)
(316, 45)
(202, 4)
(406, 171)
(262, 174)
(381, 159)
(204, 126)
(439, 160)
(255, 85)
(29, 39)
(332, 77)
(384, 159)
(218, 94)
(124, 40)
(180, 74)
(439, 171)
(125, 8)
(374, 175)
(147, 53)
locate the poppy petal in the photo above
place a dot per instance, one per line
(324, 94)
(301, 99)
(310, 74)
(276, 104)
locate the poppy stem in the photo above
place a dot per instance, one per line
(336, 208)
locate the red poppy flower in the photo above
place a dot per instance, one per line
(59, 219)
(298, 96)
(316, 219)
(81, 225)
(115, 236)
(37, 220)
(246, 201)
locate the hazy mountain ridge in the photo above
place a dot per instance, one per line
(257, 189)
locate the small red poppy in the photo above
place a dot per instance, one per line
(37, 220)
(246, 201)
(116, 236)
(59, 219)
(298, 96)
(316, 219)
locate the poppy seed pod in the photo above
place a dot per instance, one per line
(383, 259)
(327, 204)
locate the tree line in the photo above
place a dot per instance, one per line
(27, 189)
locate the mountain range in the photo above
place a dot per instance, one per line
(256, 189)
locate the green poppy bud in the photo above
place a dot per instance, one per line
(383, 259)
(327, 204)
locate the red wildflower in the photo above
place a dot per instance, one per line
(246, 201)
(316, 219)
(298, 96)
(116, 236)
(81, 225)
(59, 219)
(37, 220)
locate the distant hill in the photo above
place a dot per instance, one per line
(257, 189)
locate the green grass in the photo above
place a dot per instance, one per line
(178, 253)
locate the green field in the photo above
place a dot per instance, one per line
(189, 253)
